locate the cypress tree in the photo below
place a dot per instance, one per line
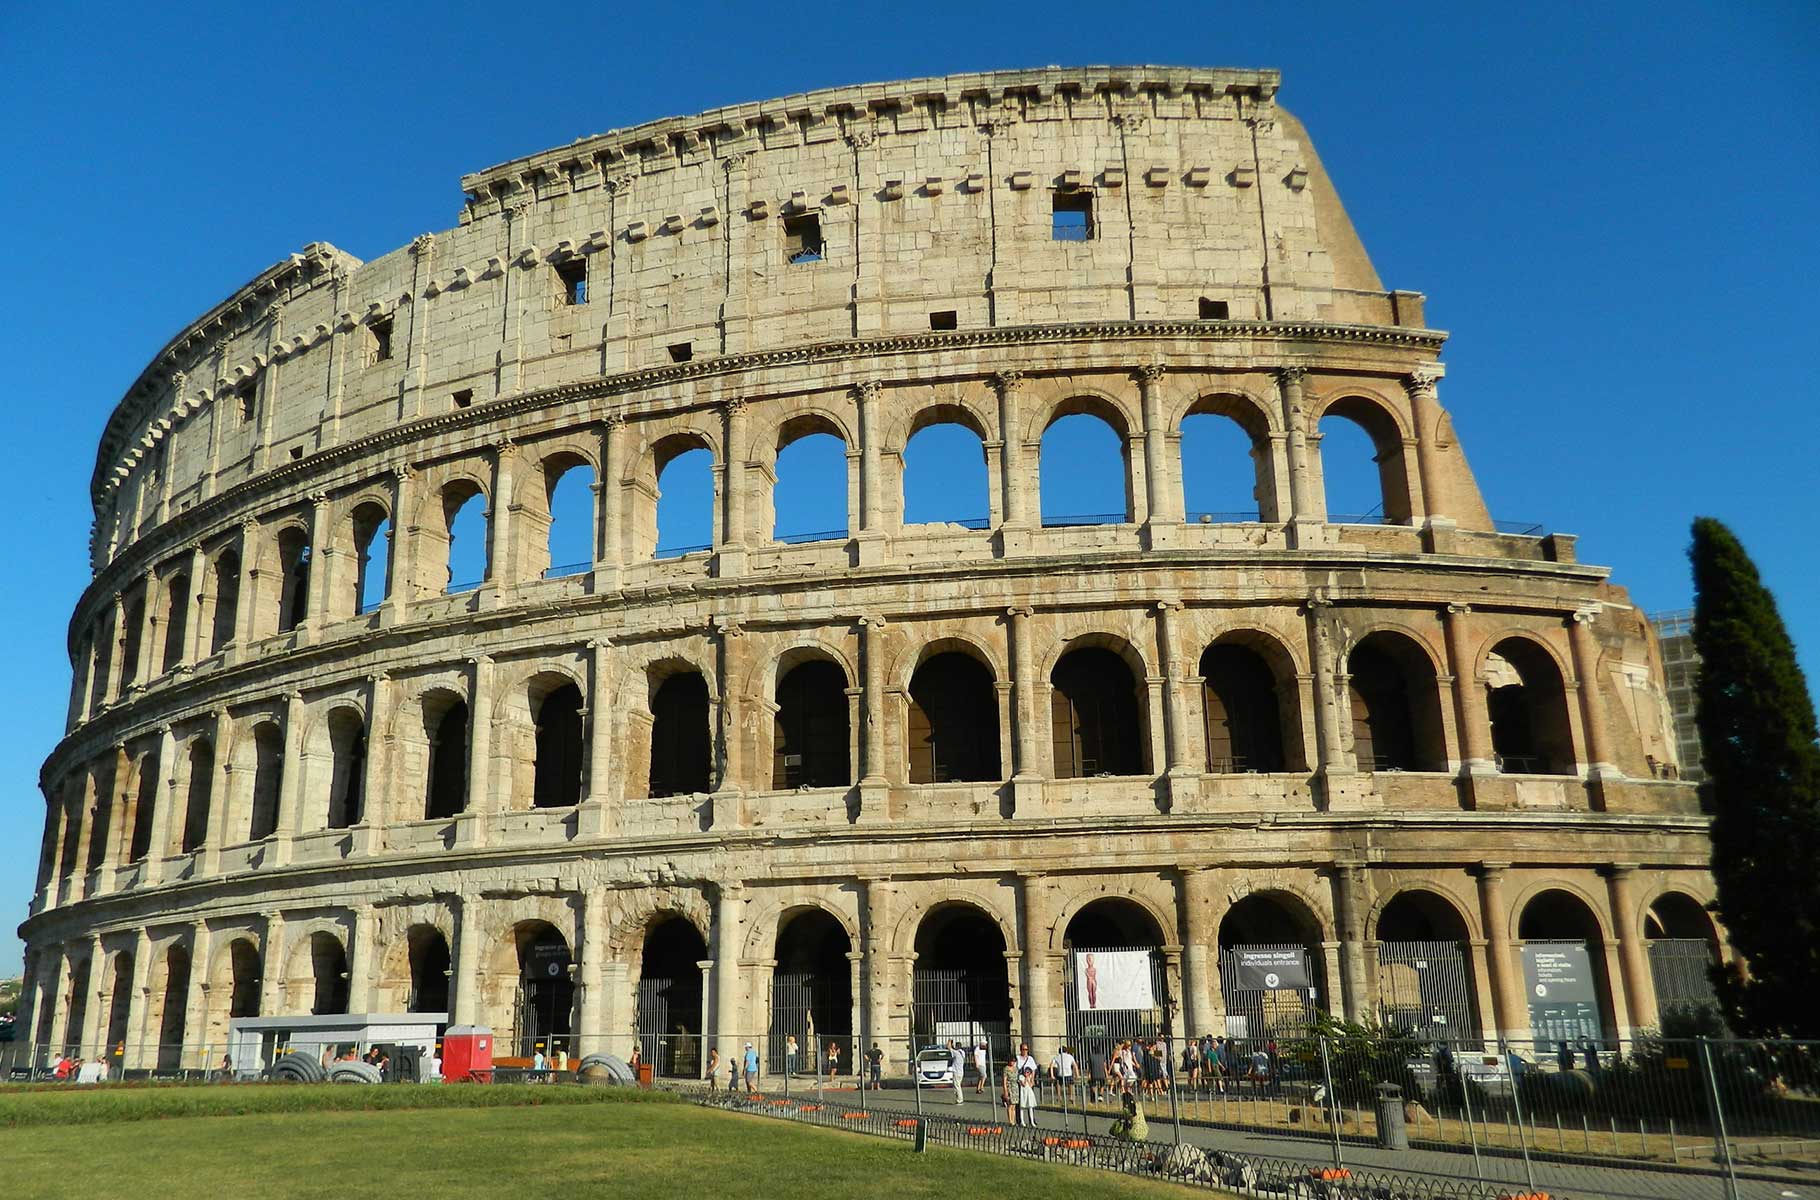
(1757, 737)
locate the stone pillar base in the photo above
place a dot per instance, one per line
(726, 810)
(874, 549)
(1027, 797)
(874, 799)
(1181, 790)
(592, 819)
(1307, 535)
(1344, 791)
(1162, 535)
(1013, 541)
(470, 830)
(1439, 536)
(730, 561)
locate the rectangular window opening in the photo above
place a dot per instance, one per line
(1214, 310)
(464, 397)
(296, 453)
(382, 339)
(1071, 218)
(248, 395)
(803, 238)
(682, 352)
(573, 274)
(946, 319)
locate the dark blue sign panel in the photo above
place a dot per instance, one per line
(1563, 995)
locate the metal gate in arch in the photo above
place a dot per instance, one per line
(669, 1023)
(1089, 1028)
(814, 1010)
(1425, 988)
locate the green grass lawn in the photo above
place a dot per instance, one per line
(607, 1148)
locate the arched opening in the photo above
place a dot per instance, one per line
(1081, 467)
(77, 1002)
(1362, 465)
(120, 1003)
(1527, 702)
(1226, 469)
(176, 620)
(1114, 979)
(431, 968)
(347, 768)
(199, 791)
(1683, 950)
(464, 515)
(670, 997)
(544, 1015)
(811, 727)
(1271, 967)
(561, 749)
(227, 600)
(294, 564)
(569, 499)
(173, 1015)
(132, 617)
(684, 505)
(1425, 984)
(682, 748)
(1564, 970)
(944, 478)
(445, 726)
(101, 811)
(1243, 704)
(268, 778)
(953, 727)
(1096, 719)
(372, 529)
(960, 987)
(811, 989)
(810, 496)
(320, 984)
(145, 800)
(104, 645)
(243, 978)
(1396, 706)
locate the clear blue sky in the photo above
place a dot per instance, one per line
(1613, 208)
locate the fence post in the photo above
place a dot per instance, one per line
(1721, 1142)
(1172, 1082)
(1472, 1134)
(1516, 1098)
(1331, 1103)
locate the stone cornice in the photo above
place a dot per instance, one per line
(1292, 336)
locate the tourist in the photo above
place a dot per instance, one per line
(1007, 1091)
(226, 1070)
(713, 1069)
(1097, 1064)
(833, 1061)
(1025, 1062)
(751, 1066)
(538, 1071)
(1564, 1057)
(1131, 1127)
(1191, 1063)
(1062, 1067)
(957, 1067)
(791, 1053)
(876, 1062)
(1026, 1098)
(981, 1059)
(733, 1061)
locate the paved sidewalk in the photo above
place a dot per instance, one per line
(1563, 1181)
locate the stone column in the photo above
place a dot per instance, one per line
(1585, 646)
(60, 983)
(290, 781)
(1175, 711)
(608, 555)
(107, 879)
(591, 1027)
(1016, 481)
(480, 800)
(732, 756)
(502, 568)
(1200, 951)
(1425, 412)
(593, 819)
(1633, 953)
(871, 444)
(26, 1016)
(164, 802)
(873, 653)
(135, 1056)
(728, 902)
(1307, 506)
(369, 837)
(464, 1004)
(401, 556)
(1469, 694)
(1023, 683)
(365, 935)
(148, 630)
(1329, 682)
(94, 1020)
(116, 652)
(322, 569)
(219, 800)
(1511, 1006)
(1350, 904)
(1162, 485)
(1041, 1025)
(271, 966)
(875, 896)
(202, 609)
(195, 1000)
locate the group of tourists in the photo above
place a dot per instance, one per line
(1220, 1063)
(742, 1069)
(76, 1069)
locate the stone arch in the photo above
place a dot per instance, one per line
(1443, 894)
(800, 421)
(1593, 903)
(1531, 726)
(369, 516)
(1561, 910)
(904, 929)
(1383, 424)
(644, 512)
(523, 693)
(911, 655)
(950, 409)
(1216, 498)
(959, 491)
(1677, 913)
(1048, 401)
(1158, 912)
(1218, 701)
(632, 911)
(529, 980)
(765, 920)
(953, 715)
(407, 932)
(439, 744)
(813, 726)
(317, 978)
(1398, 721)
(1258, 417)
(545, 529)
(1098, 724)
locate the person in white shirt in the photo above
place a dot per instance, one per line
(1062, 1068)
(979, 1066)
(957, 1067)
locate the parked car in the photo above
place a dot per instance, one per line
(934, 1067)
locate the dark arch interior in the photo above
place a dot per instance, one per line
(227, 600)
(813, 982)
(244, 967)
(268, 778)
(1557, 916)
(294, 579)
(196, 802)
(173, 1018)
(329, 970)
(121, 1001)
(1243, 711)
(1396, 714)
(176, 619)
(430, 970)
(546, 989)
(953, 721)
(560, 747)
(1560, 916)
(961, 987)
(1424, 979)
(1095, 723)
(1264, 919)
(1419, 916)
(347, 769)
(1530, 732)
(448, 781)
(1113, 924)
(682, 748)
(811, 748)
(132, 618)
(1677, 915)
(145, 800)
(670, 996)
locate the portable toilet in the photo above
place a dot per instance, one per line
(467, 1054)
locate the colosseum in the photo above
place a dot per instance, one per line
(883, 783)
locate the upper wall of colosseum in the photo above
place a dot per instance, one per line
(905, 206)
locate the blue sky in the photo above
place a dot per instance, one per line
(1613, 208)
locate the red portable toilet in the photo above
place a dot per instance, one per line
(467, 1054)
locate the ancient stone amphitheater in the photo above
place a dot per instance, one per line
(889, 779)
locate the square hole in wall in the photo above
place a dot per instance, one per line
(682, 352)
(464, 397)
(572, 274)
(382, 339)
(803, 238)
(248, 396)
(947, 318)
(1071, 217)
(296, 453)
(1215, 310)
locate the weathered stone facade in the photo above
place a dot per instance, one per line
(251, 753)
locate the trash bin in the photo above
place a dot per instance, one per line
(467, 1054)
(646, 1074)
(1392, 1133)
